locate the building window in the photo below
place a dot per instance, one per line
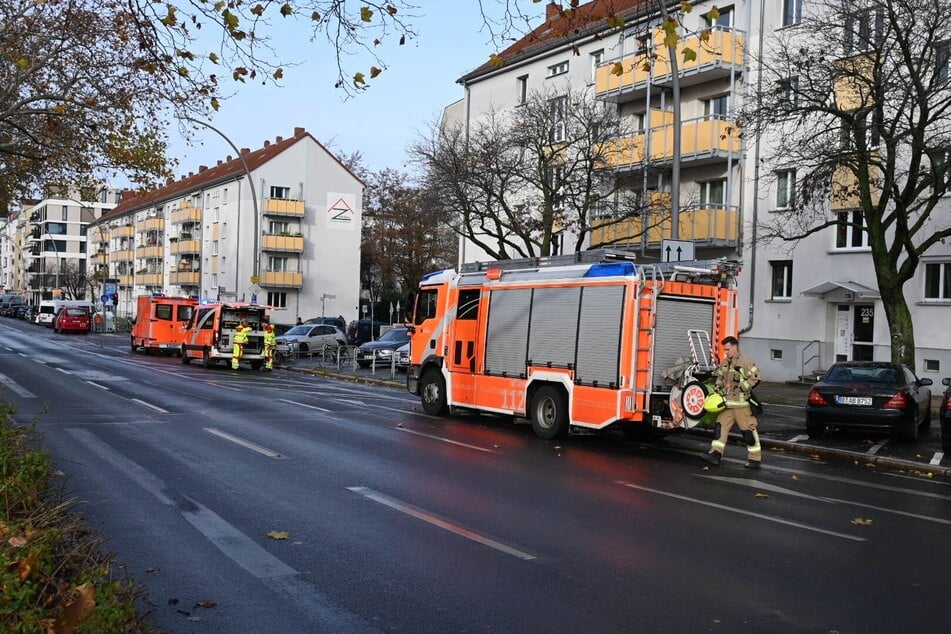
(932, 365)
(521, 89)
(280, 192)
(775, 354)
(278, 228)
(938, 280)
(716, 106)
(850, 230)
(789, 93)
(864, 30)
(557, 109)
(224, 196)
(639, 119)
(277, 264)
(713, 193)
(941, 173)
(557, 243)
(785, 189)
(558, 69)
(792, 12)
(781, 287)
(596, 58)
(725, 19)
(943, 62)
(277, 300)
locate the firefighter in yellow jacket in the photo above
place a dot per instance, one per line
(240, 340)
(270, 342)
(735, 379)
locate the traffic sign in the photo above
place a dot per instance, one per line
(254, 288)
(677, 251)
(255, 279)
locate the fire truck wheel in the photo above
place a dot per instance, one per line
(135, 348)
(185, 358)
(432, 391)
(256, 365)
(206, 358)
(549, 412)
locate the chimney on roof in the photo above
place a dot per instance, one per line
(190, 174)
(299, 131)
(170, 180)
(228, 158)
(267, 142)
(278, 139)
(552, 10)
(219, 162)
(126, 194)
(245, 150)
(202, 168)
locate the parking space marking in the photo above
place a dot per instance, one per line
(439, 438)
(874, 448)
(723, 507)
(247, 444)
(938, 457)
(429, 518)
(799, 437)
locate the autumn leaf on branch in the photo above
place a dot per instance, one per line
(358, 79)
(496, 59)
(366, 14)
(690, 55)
(617, 69)
(374, 72)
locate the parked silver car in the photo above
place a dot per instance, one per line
(308, 338)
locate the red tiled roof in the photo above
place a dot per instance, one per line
(226, 170)
(558, 30)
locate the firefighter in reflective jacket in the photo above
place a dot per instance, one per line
(735, 379)
(270, 342)
(240, 339)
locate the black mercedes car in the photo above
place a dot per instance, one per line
(383, 349)
(869, 396)
(946, 417)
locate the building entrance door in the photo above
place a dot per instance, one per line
(854, 331)
(843, 332)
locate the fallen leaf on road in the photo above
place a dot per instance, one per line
(205, 603)
(862, 521)
(815, 456)
(706, 468)
(795, 477)
(761, 495)
(918, 455)
(278, 534)
(400, 425)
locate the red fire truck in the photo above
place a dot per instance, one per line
(574, 343)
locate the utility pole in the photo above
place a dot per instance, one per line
(675, 168)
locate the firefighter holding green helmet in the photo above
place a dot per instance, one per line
(735, 379)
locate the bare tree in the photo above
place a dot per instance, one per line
(857, 101)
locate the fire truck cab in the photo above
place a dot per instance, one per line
(160, 322)
(209, 334)
(574, 343)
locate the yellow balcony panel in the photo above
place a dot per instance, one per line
(283, 243)
(99, 259)
(215, 231)
(214, 265)
(185, 246)
(284, 207)
(186, 214)
(185, 278)
(125, 280)
(124, 255)
(278, 279)
(623, 152)
(846, 193)
(150, 279)
(707, 137)
(125, 231)
(853, 87)
(149, 252)
(150, 224)
(703, 225)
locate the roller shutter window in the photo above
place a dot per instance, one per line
(507, 332)
(599, 335)
(674, 318)
(554, 326)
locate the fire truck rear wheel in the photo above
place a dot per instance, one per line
(185, 358)
(206, 358)
(549, 412)
(135, 348)
(432, 391)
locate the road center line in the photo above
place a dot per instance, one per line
(94, 384)
(723, 507)
(63, 371)
(319, 409)
(451, 442)
(264, 451)
(435, 521)
(149, 405)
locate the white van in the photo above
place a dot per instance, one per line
(49, 307)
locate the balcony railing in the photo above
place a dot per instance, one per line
(150, 279)
(185, 246)
(703, 224)
(721, 53)
(186, 214)
(185, 278)
(277, 279)
(99, 258)
(284, 207)
(704, 138)
(125, 231)
(282, 243)
(125, 280)
(846, 193)
(149, 252)
(151, 224)
(124, 255)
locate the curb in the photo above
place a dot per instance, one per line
(918, 468)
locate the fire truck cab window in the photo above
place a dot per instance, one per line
(468, 304)
(425, 305)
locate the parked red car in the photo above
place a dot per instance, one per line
(75, 319)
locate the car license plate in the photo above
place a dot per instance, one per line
(853, 400)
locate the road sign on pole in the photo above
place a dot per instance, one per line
(677, 251)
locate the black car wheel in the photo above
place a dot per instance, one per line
(926, 423)
(815, 430)
(363, 364)
(911, 434)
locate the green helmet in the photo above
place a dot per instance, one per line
(714, 403)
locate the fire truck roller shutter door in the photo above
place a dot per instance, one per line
(507, 332)
(674, 318)
(553, 334)
(599, 335)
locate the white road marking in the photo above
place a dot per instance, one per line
(244, 443)
(149, 405)
(63, 371)
(346, 400)
(319, 409)
(435, 521)
(94, 384)
(451, 442)
(723, 507)
(917, 478)
(799, 437)
(938, 457)
(874, 448)
(224, 387)
(16, 387)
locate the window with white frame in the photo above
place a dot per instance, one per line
(277, 300)
(521, 89)
(850, 230)
(725, 18)
(941, 165)
(713, 193)
(558, 69)
(785, 188)
(638, 119)
(596, 58)
(276, 227)
(280, 192)
(558, 108)
(938, 280)
(788, 93)
(943, 62)
(781, 287)
(715, 106)
(864, 30)
(277, 264)
(792, 12)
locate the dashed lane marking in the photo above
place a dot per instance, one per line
(264, 451)
(446, 440)
(94, 384)
(16, 387)
(149, 405)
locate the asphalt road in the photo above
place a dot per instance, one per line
(397, 521)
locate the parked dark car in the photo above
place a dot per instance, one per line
(383, 348)
(869, 396)
(946, 417)
(363, 330)
(403, 357)
(337, 322)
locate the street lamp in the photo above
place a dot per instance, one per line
(323, 297)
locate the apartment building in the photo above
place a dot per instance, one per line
(804, 305)
(287, 236)
(14, 254)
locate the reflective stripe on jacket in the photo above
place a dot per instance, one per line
(241, 334)
(735, 379)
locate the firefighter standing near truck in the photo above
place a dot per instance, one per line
(735, 379)
(240, 339)
(270, 342)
